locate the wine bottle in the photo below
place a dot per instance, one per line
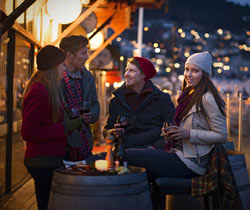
(121, 154)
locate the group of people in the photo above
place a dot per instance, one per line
(53, 132)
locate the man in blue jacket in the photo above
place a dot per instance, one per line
(146, 107)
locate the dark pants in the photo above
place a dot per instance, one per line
(43, 179)
(159, 163)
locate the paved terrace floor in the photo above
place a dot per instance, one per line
(24, 198)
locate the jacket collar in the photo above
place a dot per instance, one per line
(120, 94)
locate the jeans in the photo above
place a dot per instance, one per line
(159, 163)
(43, 179)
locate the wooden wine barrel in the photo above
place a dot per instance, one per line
(105, 192)
(239, 167)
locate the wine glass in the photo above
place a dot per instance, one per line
(85, 107)
(74, 113)
(166, 127)
(123, 121)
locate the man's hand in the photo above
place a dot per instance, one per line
(87, 117)
(117, 130)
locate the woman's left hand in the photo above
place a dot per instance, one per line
(178, 133)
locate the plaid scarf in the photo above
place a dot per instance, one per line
(74, 99)
(218, 178)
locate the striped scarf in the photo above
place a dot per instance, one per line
(74, 99)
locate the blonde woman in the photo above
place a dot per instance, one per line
(43, 127)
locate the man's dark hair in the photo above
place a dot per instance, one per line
(73, 43)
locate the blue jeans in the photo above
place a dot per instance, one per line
(159, 163)
(43, 179)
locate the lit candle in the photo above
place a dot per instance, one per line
(101, 165)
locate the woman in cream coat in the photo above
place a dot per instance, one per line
(200, 123)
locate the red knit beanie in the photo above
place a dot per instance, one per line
(147, 67)
(49, 57)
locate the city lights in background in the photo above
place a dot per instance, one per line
(177, 65)
(220, 31)
(159, 61)
(226, 68)
(157, 50)
(180, 30)
(156, 45)
(206, 35)
(168, 69)
(186, 54)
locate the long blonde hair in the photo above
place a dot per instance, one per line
(49, 78)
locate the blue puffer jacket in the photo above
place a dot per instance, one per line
(146, 122)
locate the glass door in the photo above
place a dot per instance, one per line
(3, 110)
(21, 75)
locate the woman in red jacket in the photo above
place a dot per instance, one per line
(43, 127)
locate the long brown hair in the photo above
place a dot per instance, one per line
(49, 78)
(202, 87)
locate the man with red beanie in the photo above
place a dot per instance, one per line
(145, 106)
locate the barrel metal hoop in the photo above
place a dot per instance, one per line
(93, 193)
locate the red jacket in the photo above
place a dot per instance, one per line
(42, 136)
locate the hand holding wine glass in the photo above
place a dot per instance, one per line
(123, 121)
(85, 111)
(120, 125)
(167, 126)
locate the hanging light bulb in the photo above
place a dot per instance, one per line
(96, 41)
(65, 11)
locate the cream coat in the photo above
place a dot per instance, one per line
(203, 134)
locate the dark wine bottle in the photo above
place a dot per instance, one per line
(121, 154)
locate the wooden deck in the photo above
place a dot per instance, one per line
(23, 199)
